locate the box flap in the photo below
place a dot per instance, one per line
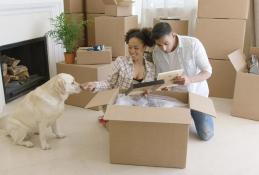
(201, 104)
(148, 114)
(254, 51)
(238, 60)
(103, 98)
(118, 2)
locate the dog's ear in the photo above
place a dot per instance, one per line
(61, 85)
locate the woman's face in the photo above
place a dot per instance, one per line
(136, 48)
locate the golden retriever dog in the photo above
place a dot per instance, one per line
(39, 110)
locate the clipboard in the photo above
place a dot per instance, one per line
(168, 76)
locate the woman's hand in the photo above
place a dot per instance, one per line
(90, 86)
(147, 92)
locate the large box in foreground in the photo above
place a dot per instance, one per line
(150, 136)
(111, 31)
(246, 94)
(84, 73)
(222, 81)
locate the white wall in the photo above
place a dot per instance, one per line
(256, 6)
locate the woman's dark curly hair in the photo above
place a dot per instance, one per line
(142, 34)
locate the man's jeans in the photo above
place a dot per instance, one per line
(204, 125)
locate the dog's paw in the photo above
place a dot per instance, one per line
(28, 144)
(60, 136)
(45, 147)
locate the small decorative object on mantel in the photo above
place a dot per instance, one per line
(67, 32)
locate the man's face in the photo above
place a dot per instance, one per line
(167, 42)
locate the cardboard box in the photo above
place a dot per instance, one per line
(179, 26)
(94, 6)
(150, 136)
(118, 7)
(73, 6)
(78, 17)
(114, 33)
(235, 9)
(84, 56)
(91, 28)
(113, 10)
(221, 36)
(84, 73)
(246, 96)
(222, 81)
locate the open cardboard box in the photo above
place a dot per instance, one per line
(150, 136)
(246, 94)
(82, 74)
(118, 7)
(84, 56)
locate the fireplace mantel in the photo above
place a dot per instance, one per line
(27, 19)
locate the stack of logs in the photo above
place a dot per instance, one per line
(12, 71)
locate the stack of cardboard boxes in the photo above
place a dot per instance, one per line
(94, 8)
(224, 26)
(90, 66)
(74, 10)
(110, 29)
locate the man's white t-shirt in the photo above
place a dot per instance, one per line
(190, 56)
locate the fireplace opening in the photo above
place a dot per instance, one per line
(24, 67)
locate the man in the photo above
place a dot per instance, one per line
(174, 52)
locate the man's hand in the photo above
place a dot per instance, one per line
(163, 88)
(181, 80)
(90, 86)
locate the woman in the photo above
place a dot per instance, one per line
(129, 69)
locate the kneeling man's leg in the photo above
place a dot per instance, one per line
(204, 124)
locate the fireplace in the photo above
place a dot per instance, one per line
(32, 70)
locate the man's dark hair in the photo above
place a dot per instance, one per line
(160, 29)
